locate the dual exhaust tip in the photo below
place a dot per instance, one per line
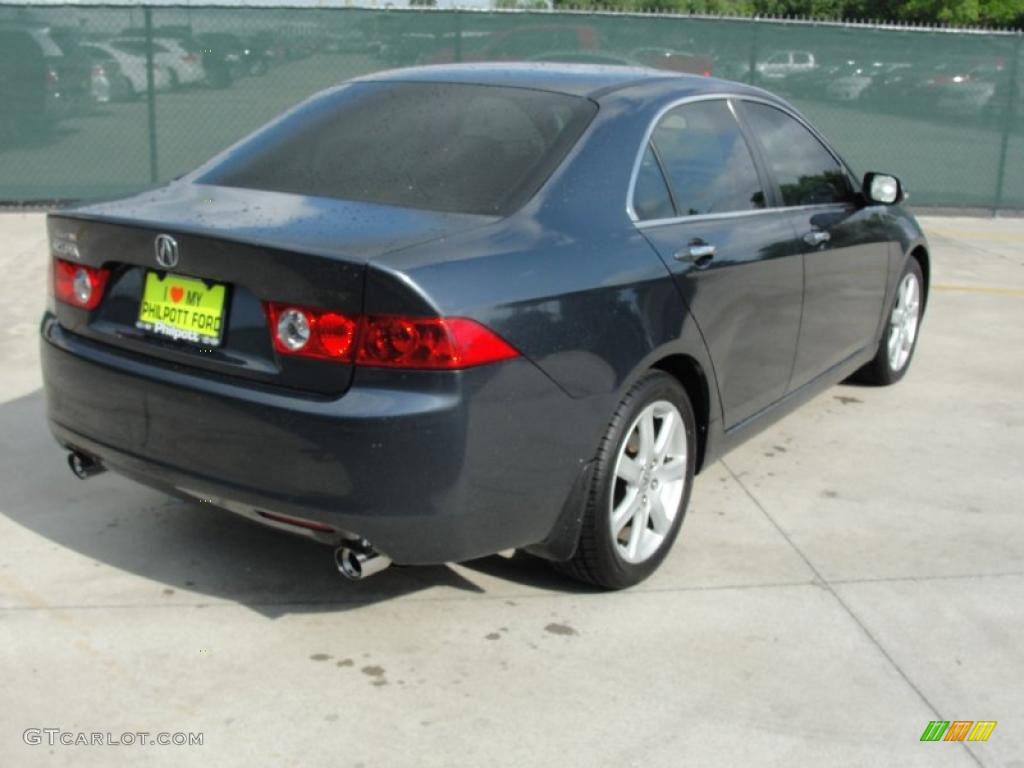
(84, 466)
(358, 559)
(355, 559)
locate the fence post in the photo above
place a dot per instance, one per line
(752, 74)
(150, 95)
(458, 35)
(1011, 110)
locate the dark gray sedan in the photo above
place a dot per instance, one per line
(436, 313)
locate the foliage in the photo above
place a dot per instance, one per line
(952, 12)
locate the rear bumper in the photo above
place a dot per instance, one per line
(430, 467)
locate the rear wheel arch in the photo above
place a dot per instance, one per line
(689, 373)
(920, 254)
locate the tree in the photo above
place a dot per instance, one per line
(954, 12)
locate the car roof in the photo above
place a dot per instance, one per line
(589, 80)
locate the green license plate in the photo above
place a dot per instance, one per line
(182, 308)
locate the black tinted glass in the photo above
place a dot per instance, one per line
(436, 146)
(651, 199)
(707, 160)
(806, 172)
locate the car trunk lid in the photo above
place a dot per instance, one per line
(262, 246)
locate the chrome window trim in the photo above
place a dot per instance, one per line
(652, 223)
(727, 97)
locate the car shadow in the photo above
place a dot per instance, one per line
(189, 546)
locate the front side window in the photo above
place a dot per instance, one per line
(806, 172)
(434, 146)
(707, 160)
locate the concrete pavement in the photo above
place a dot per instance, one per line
(848, 576)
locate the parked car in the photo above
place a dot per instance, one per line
(31, 49)
(441, 312)
(121, 76)
(969, 90)
(850, 82)
(23, 85)
(783, 64)
(520, 44)
(675, 61)
(655, 58)
(71, 70)
(184, 65)
(226, 58)
(958, 86)
(350, 39)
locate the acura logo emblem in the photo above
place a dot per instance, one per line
(166, 251)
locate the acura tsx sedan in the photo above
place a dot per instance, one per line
(436, 313)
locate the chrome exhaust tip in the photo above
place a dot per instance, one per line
(356, 560)
(83, 467)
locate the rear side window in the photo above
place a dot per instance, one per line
(707, 160)
(436, 146)
(805, 171)
(651, 199)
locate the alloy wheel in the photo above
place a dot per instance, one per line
(903, 322)
(649, 481)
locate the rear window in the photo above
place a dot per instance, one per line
(437, 146)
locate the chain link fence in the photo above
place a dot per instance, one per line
(101, 101)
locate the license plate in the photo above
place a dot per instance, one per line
(182, 308)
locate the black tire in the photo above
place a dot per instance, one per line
(597, 559)
(879, 372)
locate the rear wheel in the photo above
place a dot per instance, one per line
(899, 341)
(640, 487)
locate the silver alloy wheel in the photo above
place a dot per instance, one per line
(650, 477)
(904, 320)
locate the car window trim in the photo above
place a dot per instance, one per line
(664, 176)
(651, 223)
(762, 174)
(770, 190)
(727, 96)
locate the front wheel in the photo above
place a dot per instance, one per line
(640, 487)
(899, 341)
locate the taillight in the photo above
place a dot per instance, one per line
(429, 342)
(313, 333)
(79, 285)
(99, 71)
(389, 341)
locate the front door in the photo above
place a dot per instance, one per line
(846, 250)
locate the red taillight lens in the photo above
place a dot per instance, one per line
(79, 285)
(429, 342)
(389, 341)
(99, 71)
(315, 333)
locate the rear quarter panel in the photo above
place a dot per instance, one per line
(568, 280)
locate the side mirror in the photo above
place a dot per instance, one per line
(882, 188)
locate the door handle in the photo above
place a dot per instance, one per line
(817, 237)
(698, 253)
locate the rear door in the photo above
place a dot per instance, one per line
(701, 200)
(845, 246)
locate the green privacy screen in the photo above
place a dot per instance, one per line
(103, 101)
